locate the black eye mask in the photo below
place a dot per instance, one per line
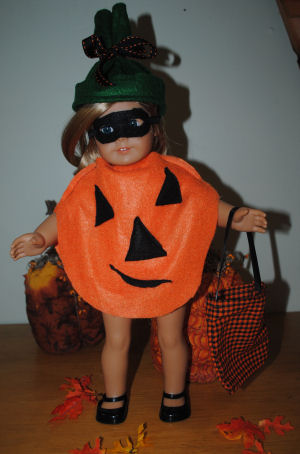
(125, 123)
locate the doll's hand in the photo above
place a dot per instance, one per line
(249, 220)
(27, 245)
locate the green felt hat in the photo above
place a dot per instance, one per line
(116, 77)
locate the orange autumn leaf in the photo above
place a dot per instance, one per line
(239, 428)
(87, 449)
(231, 431)
(276, 425)
(129, 446)
(78, 390)
(142, 440)
(120, 447)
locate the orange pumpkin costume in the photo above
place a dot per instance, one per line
(133, 239)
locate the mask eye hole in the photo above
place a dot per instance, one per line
(107, 129)
(136, 122)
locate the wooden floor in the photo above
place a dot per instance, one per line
(30, 380)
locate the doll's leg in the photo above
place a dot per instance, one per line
(174, 352)
(114, 357)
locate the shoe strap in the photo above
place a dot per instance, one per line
(174, 396)
(114, 399)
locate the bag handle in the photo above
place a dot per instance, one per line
(256, 273)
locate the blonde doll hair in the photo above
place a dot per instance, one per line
(81, 151)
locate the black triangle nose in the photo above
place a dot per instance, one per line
(143, 245)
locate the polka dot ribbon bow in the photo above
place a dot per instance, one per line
(130, 46)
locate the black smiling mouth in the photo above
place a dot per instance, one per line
(143, 283)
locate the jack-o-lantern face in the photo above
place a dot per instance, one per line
(143, 245)
(133, 239)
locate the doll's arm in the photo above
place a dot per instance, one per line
(244, 220)
(35, 243)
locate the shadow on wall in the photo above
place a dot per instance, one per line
(178, 111)
(278, 290)
(177, 96)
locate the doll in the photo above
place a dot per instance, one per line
(134, 225)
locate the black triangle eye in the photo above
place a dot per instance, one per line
(104, 210)
(170, 192)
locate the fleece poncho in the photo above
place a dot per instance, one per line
(133, 239)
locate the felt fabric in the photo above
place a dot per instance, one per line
(143, 245)
(170, 192)
(128, 80)
(104, 210)
(146, 258)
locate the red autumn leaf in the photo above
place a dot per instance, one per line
(280, 429)
(78, 390)
(79, 387)
(71, 408)
(239, 428)
(76, 383)
(259, 447)
(252, 434)
(87, 449)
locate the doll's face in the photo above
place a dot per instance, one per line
(125, 150)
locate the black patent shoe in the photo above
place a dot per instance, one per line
(174, 414)
(113, 415)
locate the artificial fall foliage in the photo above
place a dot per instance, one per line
(128, 447)
(239, 428)
(251, 434)
(87, 449)
(78, 391)
(276, 425)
